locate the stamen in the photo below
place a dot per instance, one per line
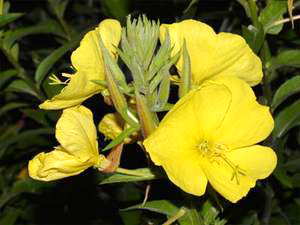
(217, 152)
(55, 80)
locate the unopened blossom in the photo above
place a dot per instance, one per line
(88, 63)
(211, 135)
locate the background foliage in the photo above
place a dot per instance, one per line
(36, 39)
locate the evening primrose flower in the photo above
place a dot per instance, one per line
(89, 65)
(78, 150)
(213, 55)
(210, 135)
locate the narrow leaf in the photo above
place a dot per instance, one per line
(287, 89)
(11, 106)
(127, 132)
(273, 11)
(286, 119)
(144, 174)
(5, 76)
(21, 86)
(51, 59)
(287, 58)
(160, 206)
(8, 18)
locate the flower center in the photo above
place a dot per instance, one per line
(215, 152)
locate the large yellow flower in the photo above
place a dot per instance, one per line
(78, 150)
(212, 54)
(88, 62)
(210, 135)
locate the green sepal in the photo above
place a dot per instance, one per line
(186, 77)
(125, 133)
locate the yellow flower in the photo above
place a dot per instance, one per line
(112, 124)
(78, 150)
(210, 135)
(88, 62)
(212, 54)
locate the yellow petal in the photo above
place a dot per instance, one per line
(220, 176)
(88, 62)
(200, 40)
(76, 132)
(258, 161)
(213, 54)
(77, 90)
(55, 165)
(88, 57)
(246, 122)
(187, 174)
(111, 125)
(193, 118)
(235, 58)
(255, 162)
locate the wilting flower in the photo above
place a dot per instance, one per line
(210, 135)
(213, 55)
(88, 62)
(78, 150)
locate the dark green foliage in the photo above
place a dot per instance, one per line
(36, 39)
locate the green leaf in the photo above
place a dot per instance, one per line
(21, 86)
(48, 27)
(210, 214)
(144, 174)
(191, 217)
(131, 217)
(296, 180)
(23, 186)
(293, 165)
(118, 9)
(5, 76)
(23, 137)
(273, 12)
(9, 216)
(280, 172)
(40, 116)
(286, 119)
(8, 18)
(51, 59)
(287, 58)
(11, 106)
(59, 6)
(125, 133)
(286, 90)
(160, 206)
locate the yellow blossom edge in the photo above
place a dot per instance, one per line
(88, 62)
(213, 54)
(188, 143)
(111, 125)
(78, 150)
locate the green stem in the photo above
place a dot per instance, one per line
(253, 11)
(265, 55)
